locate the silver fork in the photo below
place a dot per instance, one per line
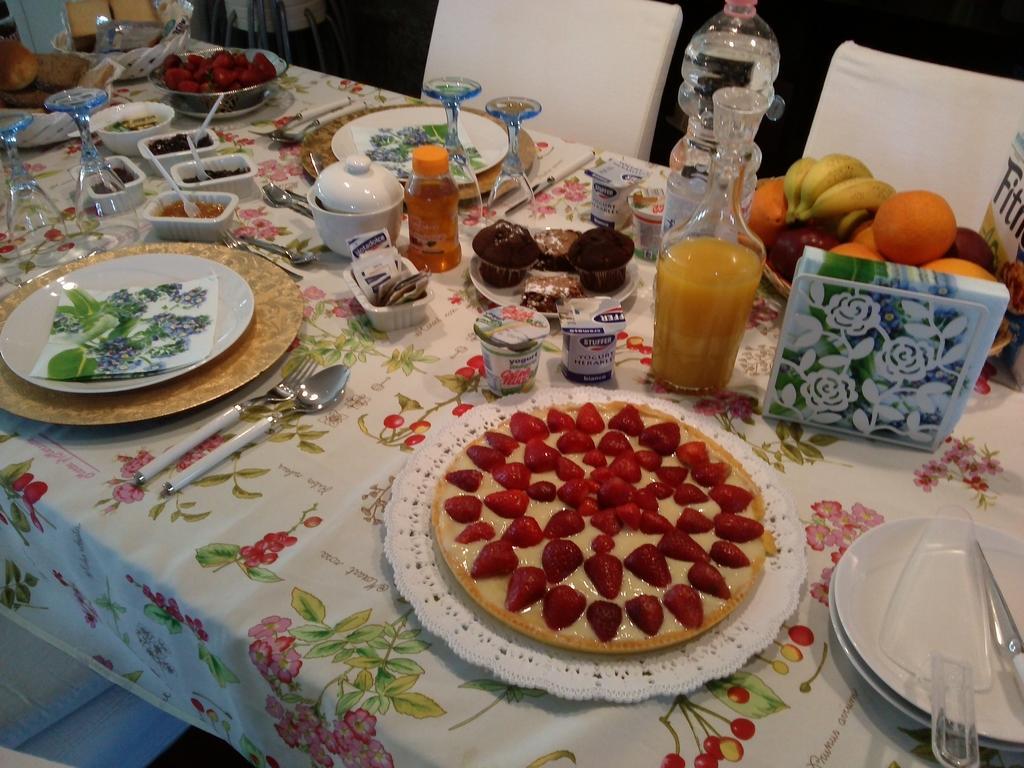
(295, 257)
(233, 242)
(284, 390)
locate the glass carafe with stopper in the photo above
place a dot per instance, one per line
(710, 265)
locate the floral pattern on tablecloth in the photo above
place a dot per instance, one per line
(257, 603)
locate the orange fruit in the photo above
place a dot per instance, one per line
(856, 250)
(865, 235)
(914, 227)
(962, 267)
(768, 211)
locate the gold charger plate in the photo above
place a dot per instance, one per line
(318, 143)
(276, 319)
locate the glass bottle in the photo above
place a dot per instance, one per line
(710, 265)
(432, 203)
(734, 48)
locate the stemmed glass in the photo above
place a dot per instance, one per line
(512, 110)
(35, 226)
(451, 92)
(99, 190)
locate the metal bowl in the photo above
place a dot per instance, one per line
(236, 102)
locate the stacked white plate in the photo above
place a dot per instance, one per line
(863, 584)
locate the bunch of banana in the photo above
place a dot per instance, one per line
(831, 188)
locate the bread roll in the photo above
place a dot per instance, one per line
(82, 21)
(58, 71)
(133, 10)
(18, 66)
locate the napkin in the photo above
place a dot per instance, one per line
(129, 331)
(392, 147)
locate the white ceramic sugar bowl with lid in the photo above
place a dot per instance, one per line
(354, 196)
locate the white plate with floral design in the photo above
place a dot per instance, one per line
(388, 136)
(865, 580)
(27, 329)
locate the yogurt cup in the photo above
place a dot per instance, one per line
(610, 187)
(590, 329)
(511, 338)
(648, 207)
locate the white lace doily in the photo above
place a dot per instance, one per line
(444, 608)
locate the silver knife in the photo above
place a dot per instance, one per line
(1008, 637)
(551, 180)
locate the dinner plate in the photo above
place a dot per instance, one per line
(888, 694)
(488, 136)
(28, 328)
(513, 295)
(863, 584)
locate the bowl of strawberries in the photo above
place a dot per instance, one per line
(192, 82)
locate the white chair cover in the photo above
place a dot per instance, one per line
(918, 125)
(597, 67)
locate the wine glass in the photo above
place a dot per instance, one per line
(512, 110)
(99, 191)
(34, 225)
(451, 92)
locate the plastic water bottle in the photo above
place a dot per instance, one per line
(735, 48)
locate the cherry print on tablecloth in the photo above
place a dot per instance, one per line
(253, 559)
(407, 427)
(20, 492)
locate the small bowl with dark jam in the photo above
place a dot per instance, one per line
(131, 196)
(169, 149)
(166, 212)
(228, 173)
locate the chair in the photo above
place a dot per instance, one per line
(260, 18)
(597, 67)
(55, 708)
(919, 125)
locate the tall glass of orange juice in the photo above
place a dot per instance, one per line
(710, 265)
(703, 294)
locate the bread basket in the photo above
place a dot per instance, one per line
(139, 62)
(54, 127)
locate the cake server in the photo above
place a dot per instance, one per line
(1007, 636)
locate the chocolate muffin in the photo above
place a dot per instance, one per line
(554, 246)
(600, 256)
(506, 251)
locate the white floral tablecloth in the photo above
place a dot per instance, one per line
(257, 604)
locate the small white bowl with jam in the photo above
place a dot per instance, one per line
(228, 173)
(122, 126)
(166, 212)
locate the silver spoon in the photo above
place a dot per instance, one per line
(321, 390)
(280, 198)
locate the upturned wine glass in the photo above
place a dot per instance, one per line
(99, 190)
(35, 228)
(451, 92)
(512, 110)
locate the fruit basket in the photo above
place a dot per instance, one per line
(139, 62)
(243, 92)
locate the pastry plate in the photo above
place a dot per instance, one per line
(443, 607)
(871, 568)
(889, 695)
(27, 329)
(277, 317)
(512, 296)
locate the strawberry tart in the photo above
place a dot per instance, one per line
(604, 527)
